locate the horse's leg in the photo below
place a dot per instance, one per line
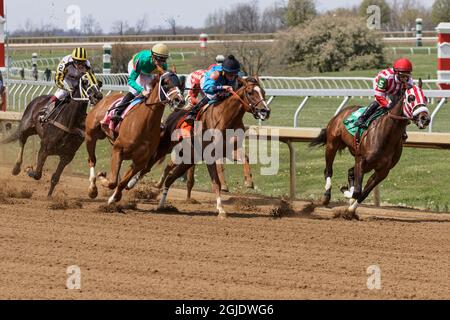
(91, 143)
(372, 182)
(63, 162)
(169, 166)
(212, 170)
(330, 154)
(22, 141)
(190, 181)
(42, 156)
(135, 179)
(351, 184)
(220, 171)
(177, 172)
(116, 163)
(248, 173)
(358, 184)
(122, 183)
(239, 155)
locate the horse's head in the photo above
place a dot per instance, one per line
(415, 106)
(90, 88)
(170, 90)
(256, 99)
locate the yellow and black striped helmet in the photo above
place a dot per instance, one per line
(79, 54)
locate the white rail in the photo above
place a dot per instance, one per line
(21, 92)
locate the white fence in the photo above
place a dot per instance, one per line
(21, 92)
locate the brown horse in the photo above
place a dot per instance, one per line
(138, 136)
(62, 134)
(228, 114)
(380, 145)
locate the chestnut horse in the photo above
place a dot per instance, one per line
(227, 114)
(62, 134)
(380, 145)
(138, 136)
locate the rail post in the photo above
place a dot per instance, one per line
(107, 58)
(418, 32)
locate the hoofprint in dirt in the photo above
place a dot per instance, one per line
(190, 254)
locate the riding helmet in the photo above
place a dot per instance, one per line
(403, 65)
(160, 50)
(231, 65)
(79, 54)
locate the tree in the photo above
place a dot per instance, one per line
(172, 23)
(440, 11)
(385, 9)
(90, 26)
(274, 18)
(330, 44)
(120, 27)
(299, 11)
(141, 24)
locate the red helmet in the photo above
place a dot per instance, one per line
(403, 65)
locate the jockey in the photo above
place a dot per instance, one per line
(68, 73)
(217, 83)
(194, 81)
(140, 73)
(387, 83)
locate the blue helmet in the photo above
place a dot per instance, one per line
(231, 65)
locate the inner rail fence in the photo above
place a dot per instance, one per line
(21, 92)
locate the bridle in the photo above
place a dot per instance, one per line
(165, 97)
(248, 106)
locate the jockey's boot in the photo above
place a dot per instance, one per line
(367, 114)
(192, 115)
(47, 109)
(120, 108)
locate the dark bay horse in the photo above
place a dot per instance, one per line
(379, 149)
(138, 136)
(62, 134)
(228, 114)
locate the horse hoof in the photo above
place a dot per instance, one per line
(350, 215)
(224, 189)
(249, 184)
(326, 200)
(93, 193)
(15, 170)
(222, 215)
(101, 175)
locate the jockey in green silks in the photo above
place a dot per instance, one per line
(141, 70)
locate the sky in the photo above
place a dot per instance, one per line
(186, 12)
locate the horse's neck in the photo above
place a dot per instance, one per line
(231, 111)
(391, 128)
(157, 109)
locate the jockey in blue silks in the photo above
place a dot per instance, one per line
(217, 84)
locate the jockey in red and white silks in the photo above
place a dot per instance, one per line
(388, 83)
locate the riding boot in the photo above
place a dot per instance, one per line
(370, 110)
(192, 115)
(120, 108)
(47, 109)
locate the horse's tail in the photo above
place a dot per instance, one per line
(13, 137)
(320, 140)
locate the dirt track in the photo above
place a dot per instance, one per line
(191, 254)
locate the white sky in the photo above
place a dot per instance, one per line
(187, 12)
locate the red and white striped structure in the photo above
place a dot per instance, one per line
(443, 72)
(203, 41)
(2, 49)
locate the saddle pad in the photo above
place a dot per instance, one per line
(349, 122)
(107, 119)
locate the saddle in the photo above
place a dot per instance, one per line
(106, 122)
(186, 128)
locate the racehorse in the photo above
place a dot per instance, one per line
(228, 114)
(62, 134)
(380, 146)
(138, 136)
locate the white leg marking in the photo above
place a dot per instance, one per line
(134, 180)
(163, 198)
(92, 177)
(349, 193)
(219, 206)
(353, 207)
(328, 184)
(112, 199)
